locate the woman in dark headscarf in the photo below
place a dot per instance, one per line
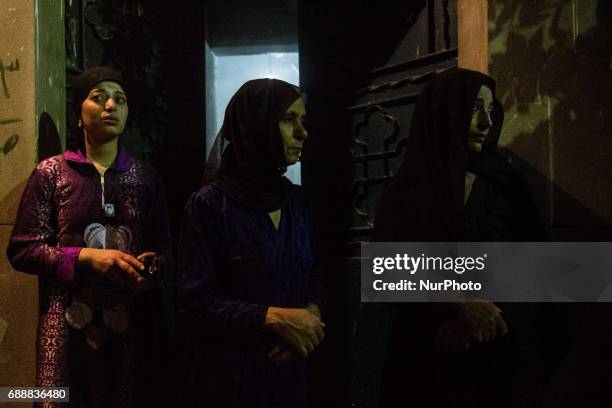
(248, 281)
(453, 186)
(89, 222)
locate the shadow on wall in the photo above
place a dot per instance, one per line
(49, 143)
(552, 61)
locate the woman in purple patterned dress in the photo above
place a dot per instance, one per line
(93, 226)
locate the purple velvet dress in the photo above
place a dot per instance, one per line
(233, 264)
(91, 332)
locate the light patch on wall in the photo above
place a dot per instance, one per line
(546, 22)
(546, 18)
(525, 120)
(499, 43)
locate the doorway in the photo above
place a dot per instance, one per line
(246, 41)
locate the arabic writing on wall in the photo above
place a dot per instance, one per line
(10, 138)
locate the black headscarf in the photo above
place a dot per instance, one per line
(82, 86)
(252, 166)
(424, 202)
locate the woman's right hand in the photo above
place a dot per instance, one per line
(301, 329)
(486, 318)
(112, 264)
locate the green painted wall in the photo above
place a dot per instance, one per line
(50, 72)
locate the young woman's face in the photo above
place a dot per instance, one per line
(481, 119)
(104, 112)
(292, 131)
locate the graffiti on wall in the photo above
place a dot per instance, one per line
(9, 138)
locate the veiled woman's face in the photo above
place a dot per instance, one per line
(292, 131)
(104, 112)
(481, 119)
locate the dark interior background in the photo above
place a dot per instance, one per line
(159, 46)
(361, 65)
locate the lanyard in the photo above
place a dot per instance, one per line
(109, 209)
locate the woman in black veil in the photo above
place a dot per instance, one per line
(249, 284)
(454, 186)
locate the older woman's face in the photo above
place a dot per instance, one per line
(104, 111)
(481, 119)
(292, 131)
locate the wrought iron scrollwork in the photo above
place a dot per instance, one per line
(368, 150)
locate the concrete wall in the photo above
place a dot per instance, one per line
(31, 83)
(18, 292)
(552, 62)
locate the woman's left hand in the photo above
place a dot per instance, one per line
(282, 353)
